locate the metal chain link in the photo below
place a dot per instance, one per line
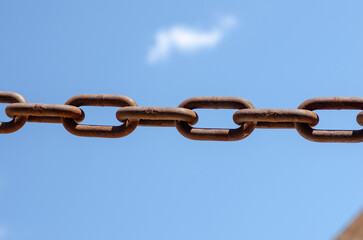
(247, 117)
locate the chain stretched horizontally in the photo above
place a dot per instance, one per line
(130, 115)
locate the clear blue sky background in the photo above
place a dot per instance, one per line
(154, 183)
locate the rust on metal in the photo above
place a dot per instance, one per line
(182, 117)
(275, 125)
(157, 116)
(215, 134)
(336, 103)
(47, 113)
(99, 130)
(360, 118)
(18, 121)
(275, 118)
(354, 231)
(157, 123)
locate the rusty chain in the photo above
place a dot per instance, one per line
(130, 115)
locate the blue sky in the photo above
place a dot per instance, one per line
(154, 183)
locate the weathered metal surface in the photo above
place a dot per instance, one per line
(354, 231)
(47, 113)
(18, 121)
(215, 134)
(360, 118)
(157, 116)
(157, 123)
(182, 117)
(336, 103)
(275, 125)
(275, 118)
(99, 130)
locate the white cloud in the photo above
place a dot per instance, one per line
(186, 39)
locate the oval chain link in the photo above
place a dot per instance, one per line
(45, 113)
(18, 121)
(337, 103)
(99, 130)
(157, 116)
(215, 134)
(275, 118)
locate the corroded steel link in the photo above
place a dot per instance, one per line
(182, 117)
(98, 130)
(275, 125)
(18, 121)
(337, 103)
(157, 123)
(38, 119)
(47, 113)
(213, 134)
(360, 118)
(275, 118)
(157, 116)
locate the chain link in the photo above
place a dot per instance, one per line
(336, 103)
(157, 116)
(18, 121)
(182, 117)
(215, 134)
(46, 113)
(101, 100)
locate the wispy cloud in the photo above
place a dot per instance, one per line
(186, 39)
